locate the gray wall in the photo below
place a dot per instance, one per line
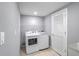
(73, 23)
(31, 23)
(47, 24)
(10, 24)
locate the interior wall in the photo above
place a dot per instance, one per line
(73, 23)
(47, 24)
(31, 23)
(47, 27)
(10, 25)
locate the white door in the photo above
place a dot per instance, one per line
(59, 32)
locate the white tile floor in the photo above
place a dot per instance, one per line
(46, 52)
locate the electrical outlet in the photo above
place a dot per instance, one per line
(2, 38)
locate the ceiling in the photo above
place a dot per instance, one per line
(42, 8)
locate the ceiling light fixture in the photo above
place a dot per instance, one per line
(35, 13)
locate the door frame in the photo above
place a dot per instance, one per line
(52, 19)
